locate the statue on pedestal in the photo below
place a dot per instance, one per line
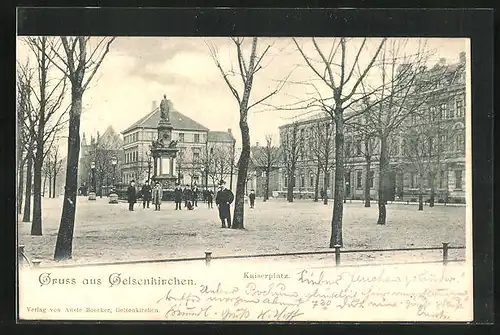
(164, 109)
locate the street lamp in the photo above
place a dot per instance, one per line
(92, 195)
(150, 165)
(113, 197)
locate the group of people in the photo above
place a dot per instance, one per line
(188, 195)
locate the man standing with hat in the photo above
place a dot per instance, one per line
(178, 197)
(157, 195)
(223, 200)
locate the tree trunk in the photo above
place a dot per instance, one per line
(325, 182)
(291, 181)
(239, 205)
(64, 243)
(338, 195)
(54, 184)
(27, 194)
(384, 162)
(316, 184)
(421, 194)
(266, 188)
(367, 178)
(36, 225)
(433, 191)
(20, 188)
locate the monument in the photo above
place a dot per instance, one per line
(164, 150)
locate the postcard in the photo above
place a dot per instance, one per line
(244, 178)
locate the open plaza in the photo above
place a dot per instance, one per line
(110, 233)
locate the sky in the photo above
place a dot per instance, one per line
(139, 70)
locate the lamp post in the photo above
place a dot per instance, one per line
(150, 165)
(92, 195)
(113, 197)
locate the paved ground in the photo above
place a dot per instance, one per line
(107, 233)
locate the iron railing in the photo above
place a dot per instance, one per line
(209, 257)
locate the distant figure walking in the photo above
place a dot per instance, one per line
(223, 199)
(131, 195)
(251, 196)
(210, 198)
(157, 195)
(178, 197)
(146, 194)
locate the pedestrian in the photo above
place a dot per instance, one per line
(210, 198)
(157, 195)
(131, 195)
(178, 197)
(194, 195)
(146, 194)
(186, 194)
(251, 196)
(223, 200)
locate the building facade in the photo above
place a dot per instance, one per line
(443, 112)
(197, 146)
(100, 150)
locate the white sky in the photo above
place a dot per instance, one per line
(138, 70)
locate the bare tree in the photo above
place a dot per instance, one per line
(26, 137)
(343, 82)
(290, 144)
(219, 164)
(248, 68)
(79, 63)
(405, 89)
(48, 92)
(267, 159)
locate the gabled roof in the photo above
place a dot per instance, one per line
(179, 121)
(220, 136)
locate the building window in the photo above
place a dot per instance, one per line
(412, 180)
(441, 179)
(442, 111)
(311, 180)
(286, 181)
(359, 180)
(181, 137)
(432, 112)
(443, 139)
(370, 178)
(460, 142)
(460, 107)
(451, 113)
(196, 156)
(458, 179)
(302, 181)
(197, 138)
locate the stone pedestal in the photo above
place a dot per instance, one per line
(92, 196)
(113, 198)
(164, 152)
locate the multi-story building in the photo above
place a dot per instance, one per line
(444, 107)
(195, 143)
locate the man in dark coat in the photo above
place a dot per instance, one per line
(251, 196)
(178, 197)
(131, 195)
(210, 198)
(146, 194)
(223, 200)
(194, 195)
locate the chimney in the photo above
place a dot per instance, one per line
(442, 61)
(256, 144)
(229, 131)
(153, 106)
(462, 57)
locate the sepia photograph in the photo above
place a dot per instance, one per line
(244, 178)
